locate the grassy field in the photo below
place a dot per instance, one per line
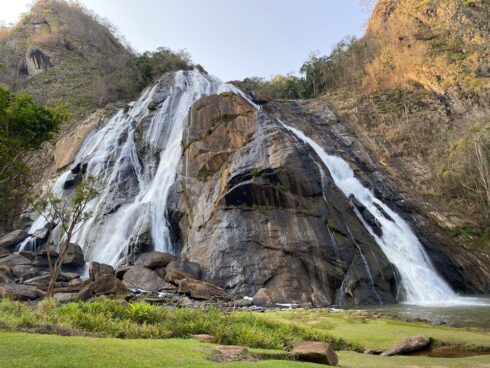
(31, 351)
(381, 333)
(166, 333)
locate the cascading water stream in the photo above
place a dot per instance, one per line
(420, 281)
(133, 197)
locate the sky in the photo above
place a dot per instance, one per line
(232, 39)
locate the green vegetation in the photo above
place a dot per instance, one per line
(87, 64)
(162, 336)
(416, 84)
(30, 351)
(24, 126)
(380, 333)
(104, 317)
(108, 318)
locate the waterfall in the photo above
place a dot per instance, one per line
(134, 192)
(419, 279)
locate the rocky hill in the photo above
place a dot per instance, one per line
(61, 53)
(424, 106)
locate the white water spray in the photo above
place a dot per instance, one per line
(134, 195)
(419, 279)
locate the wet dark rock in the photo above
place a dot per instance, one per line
(79, 168)
(192, 269)
(121, 271)
(316, 352)
(72, 181)
(96, 270)
(255, 213)
(13, 238)
(408, 345)
(41, 236)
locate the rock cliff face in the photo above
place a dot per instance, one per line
(250, 202)
(256, 210)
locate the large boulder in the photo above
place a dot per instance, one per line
(73, 256)
(41, 235)
(108, 285)
(140, 277)
(95, 270)
(6, 276)
(15, 260)
(408, 345)
(175, 276)
(192, 269)
(13, 238)
(202, 290)
(262, 298)
(25, 272)
(316, 352)
(155, 259)
(20, 292)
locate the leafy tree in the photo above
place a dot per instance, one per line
(69, 215)
(24, 126)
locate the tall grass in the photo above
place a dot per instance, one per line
(114, 318)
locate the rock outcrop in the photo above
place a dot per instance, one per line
(409, 345)
(255, 211)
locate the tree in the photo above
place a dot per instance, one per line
(69, 215)
(24, 126)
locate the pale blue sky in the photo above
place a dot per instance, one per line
(232, 39)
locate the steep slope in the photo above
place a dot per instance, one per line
(417, 88)
(61, 54)
(424, 105)
(195, 169)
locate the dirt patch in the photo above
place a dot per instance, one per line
(54, 330)
(225, 353)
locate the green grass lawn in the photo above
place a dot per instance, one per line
(19, 350)
(125, 334)
(381, 333)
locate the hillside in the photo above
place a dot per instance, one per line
(62, 54)
(424, 105)
(416, 88)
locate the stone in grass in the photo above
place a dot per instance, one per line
(315, 352)
(230, 353)
(204, 338)
(409, 345)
